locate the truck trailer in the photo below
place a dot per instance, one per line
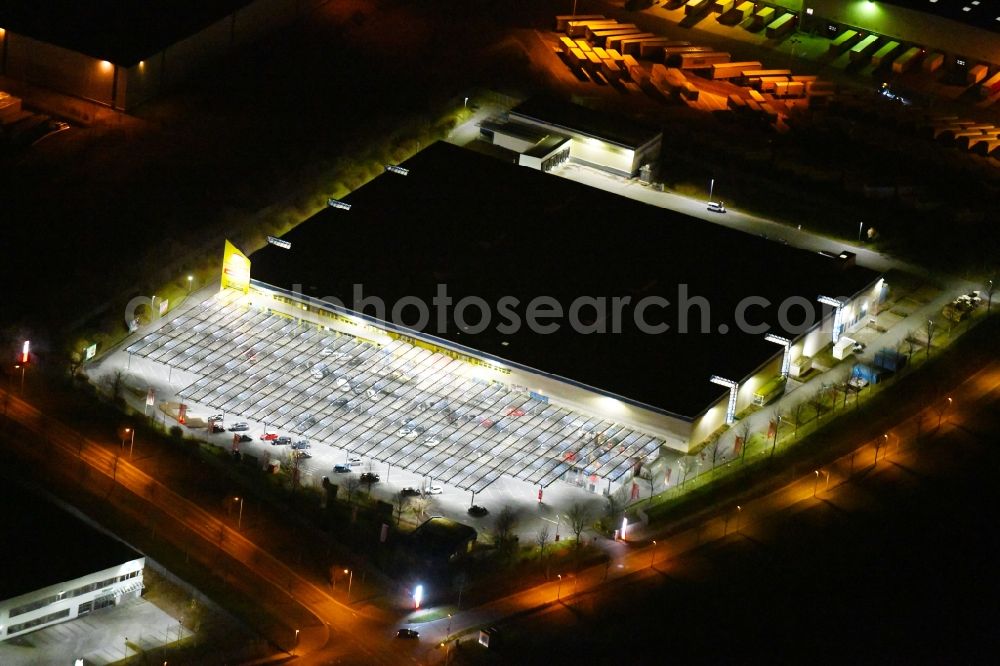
(884, 55)
(864, 48)
(780, 26)
(844, 40)
(907, 60)
(730, 70)
(702, 60)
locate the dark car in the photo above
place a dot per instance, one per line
(370, 477)
(410, 491)
(407, 633)
(281, 441)
(342, 469)
(216, 427)
(246, 438)
(301, 444)
(239, 427)
(478, 511)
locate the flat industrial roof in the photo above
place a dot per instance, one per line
(47, 545)
(580, 119)
(114, 30)
(491, 229)
(982, 14)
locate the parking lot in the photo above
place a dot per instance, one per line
(396, 404)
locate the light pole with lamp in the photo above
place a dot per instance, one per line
(350, 582)
(815, 482)
(559, 587)
(190, 283)
(861, 227)
(131, 445)
(652, 556)
(239, 519)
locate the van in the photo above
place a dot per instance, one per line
(717, 206)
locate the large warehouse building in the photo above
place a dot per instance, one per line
(492, 231)
(56, 567)
(123, 53)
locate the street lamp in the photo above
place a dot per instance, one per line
(418, 595)
(652, 556)
(941, 413)
(815, 482)
(350, 581)
(131, 446)
(861, 227)
(239, 520)
(190, 282)
(739, 510)
(559, 587)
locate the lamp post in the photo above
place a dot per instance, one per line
(559, 587)
(131, 445)
(239, 519)
(941, 413)
(861, 227)
(739, 511)
(930, 335)
(296, 640)
(190, 282)
(350, 582)
(815, 482)
(652, 556)
(711, 188)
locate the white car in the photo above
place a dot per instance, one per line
(433, 489)
(717, 206)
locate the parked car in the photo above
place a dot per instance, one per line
(716, 206)
(301, 454)
(246, 438)
(407, 633)
(433, 490)
(301, 444)
(269, 437)
(281, 441)
(410, 491)
(215, 427)
(341, 469)
(240, 426)
(214, 418)
(478, 511)
(370, 477)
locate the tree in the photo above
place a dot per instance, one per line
(503, 531)
(351, 485)
(399, 502)
(419, 506)
(715, 449)
(616, 505)
(578, 517)
(542, 538)
(743, 432)
(115, 384)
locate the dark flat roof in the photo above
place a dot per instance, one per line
(487, 228)
(46, 545)
(119, 31)
(982, 14)
(576, 118)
